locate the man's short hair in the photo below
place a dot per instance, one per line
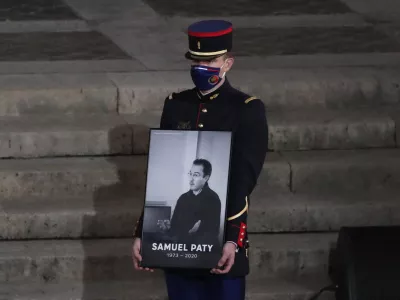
(228, 55)
(207, 168)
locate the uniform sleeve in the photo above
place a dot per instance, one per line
(137, 232)
(250, 146)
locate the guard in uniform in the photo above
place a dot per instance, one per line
(213, 104)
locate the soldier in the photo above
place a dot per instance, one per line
(213, 104)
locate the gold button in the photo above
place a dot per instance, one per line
(204, 110)
(201, 125)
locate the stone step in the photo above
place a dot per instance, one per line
(315, 130)
(132, 93)
(56, 177)
(69, 217)
(38, 136)
(283, 88)
(344, 170)
(298, 171)
(57, 93)
(49, 136)
(311, 129)
(288, 255)
(154, 289)
(322, 213)
(116, 217)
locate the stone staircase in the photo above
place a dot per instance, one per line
(74, 160)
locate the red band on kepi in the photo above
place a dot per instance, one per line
(210, 34)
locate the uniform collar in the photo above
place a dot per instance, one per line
(215, 94)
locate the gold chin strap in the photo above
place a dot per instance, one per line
(241, 212)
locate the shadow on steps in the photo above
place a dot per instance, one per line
(127, 190)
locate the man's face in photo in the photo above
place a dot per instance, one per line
(197, 178)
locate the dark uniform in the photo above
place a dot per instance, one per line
(224, 109)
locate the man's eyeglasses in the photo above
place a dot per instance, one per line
(195, 175)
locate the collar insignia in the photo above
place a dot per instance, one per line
(214, 96)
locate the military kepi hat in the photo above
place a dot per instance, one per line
(209, 39)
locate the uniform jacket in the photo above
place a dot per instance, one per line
(226, 109)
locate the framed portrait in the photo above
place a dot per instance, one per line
(185, 199)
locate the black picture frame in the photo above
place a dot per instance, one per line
(162, 249)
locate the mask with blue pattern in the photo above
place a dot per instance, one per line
(204, 77)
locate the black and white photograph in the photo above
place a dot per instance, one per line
(185, 201)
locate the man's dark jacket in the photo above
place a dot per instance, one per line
(191, 208)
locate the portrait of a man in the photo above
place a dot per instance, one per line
(184, 215)
(196, 217)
